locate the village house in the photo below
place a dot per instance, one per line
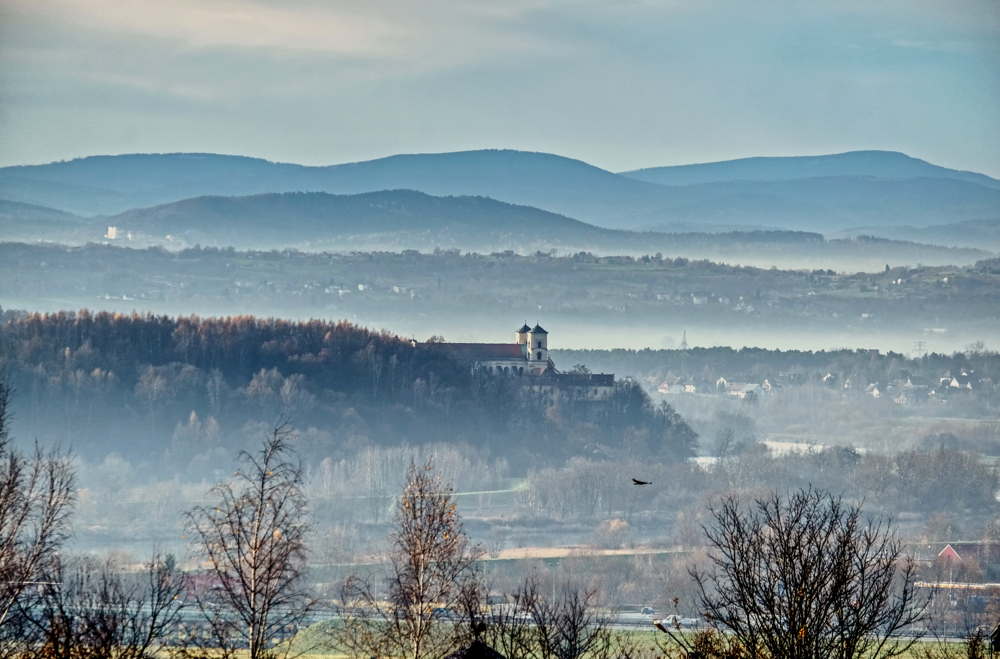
(741, 389)
(675, 385)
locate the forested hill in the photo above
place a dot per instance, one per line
(179, 393)
(295, 217)
(872, 164)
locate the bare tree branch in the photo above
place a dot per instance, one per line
(37, 494)
(806, 577)
(96, 609)
(252, 541)
(430, 558)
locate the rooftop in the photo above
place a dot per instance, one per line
(485, 351)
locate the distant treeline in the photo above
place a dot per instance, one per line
(796, 367)
(184, 389)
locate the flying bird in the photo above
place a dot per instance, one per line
(639, 482)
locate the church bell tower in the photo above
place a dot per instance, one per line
(537, 345)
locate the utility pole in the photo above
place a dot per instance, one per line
(920, 348)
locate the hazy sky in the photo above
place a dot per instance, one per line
(621, 84)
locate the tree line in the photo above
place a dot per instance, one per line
(797, 367)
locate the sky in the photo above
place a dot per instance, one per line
(621, 84)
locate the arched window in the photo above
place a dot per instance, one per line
(539, 355)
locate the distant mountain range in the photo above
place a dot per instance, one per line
(816, 193)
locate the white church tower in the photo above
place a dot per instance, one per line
(521, 337)
(537, 345)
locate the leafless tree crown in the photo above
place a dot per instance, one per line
(96, 609)
(528, 624)
(37, 493)
(807, 576)
(430, 558)
(252, 542)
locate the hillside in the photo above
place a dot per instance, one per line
(821, 193)
(392, 219)
(827, 204)
(399, 220)
(297, 216)
(28, 222)
(876, 164)
(983, 234)
(403, 219)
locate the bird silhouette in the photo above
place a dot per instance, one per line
(639, 482)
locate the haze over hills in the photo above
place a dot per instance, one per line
(817, 193)
(826, 204)
(983, 234)
(106, 185)
(293, 217)
(28, 222)
(877, 164)
(398, 220)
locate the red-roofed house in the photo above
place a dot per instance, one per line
(950, 555)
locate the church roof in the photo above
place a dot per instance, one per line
(537, 329)
(524, 329)
(485, 351)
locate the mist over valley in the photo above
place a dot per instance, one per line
(731, 288)
(459, 330)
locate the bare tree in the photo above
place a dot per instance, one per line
(975, 645)
(37, 493)
(526, 624)
(252, 539)
(806, 576)
(496, 540)
(96, 609)
(571, 626)
(504, 625)
(429, 559)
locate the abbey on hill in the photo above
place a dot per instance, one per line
(528, 360)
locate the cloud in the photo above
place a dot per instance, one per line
(236, 23)
(428, 34)
(622, 83)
